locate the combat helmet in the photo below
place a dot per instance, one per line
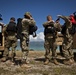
(27, 13)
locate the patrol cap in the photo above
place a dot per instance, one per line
(12, 18)
(27, 13)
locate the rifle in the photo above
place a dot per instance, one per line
(57, 20)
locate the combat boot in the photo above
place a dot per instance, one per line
(55, 62)
(46, 62)
(67, 62)
(25, 66)
(71, 60)
(26, 62)
(11, 62)
(4, 59)
(13, 57)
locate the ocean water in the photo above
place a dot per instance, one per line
(34, 46)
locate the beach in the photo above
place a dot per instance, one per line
(36, 61)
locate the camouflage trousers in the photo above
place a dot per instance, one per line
(24, 43)
(10, 43)
(50, 44)
(67, 47)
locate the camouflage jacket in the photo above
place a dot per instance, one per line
(67, 21)
(68, 25)
(25, 25)
(56, 25)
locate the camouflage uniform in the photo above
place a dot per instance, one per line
(68, 40)
(50, 41)
(10, 42)
(25, 35)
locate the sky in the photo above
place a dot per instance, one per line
(39, 10)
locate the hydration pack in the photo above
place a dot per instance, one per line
(11, 27)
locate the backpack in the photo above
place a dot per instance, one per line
(19, 28)
(32, 29)
(11, 27)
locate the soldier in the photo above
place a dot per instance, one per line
(27, 21)
(10, 31)
(68, 40)
(50, 33)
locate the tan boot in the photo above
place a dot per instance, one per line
(25, 66)
(4, 59)
(71, 60)
(11, 62)
(55, 62)
(67, 62)
(26, 62)
(46, 62)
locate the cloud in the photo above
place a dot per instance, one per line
(40, 37)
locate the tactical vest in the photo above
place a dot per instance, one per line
(11, 27)
(49, 29)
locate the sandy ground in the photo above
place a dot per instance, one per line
(36, 59)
